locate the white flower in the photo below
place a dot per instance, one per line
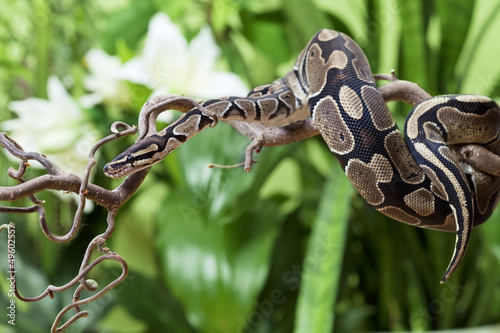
(55, 127)
(169, 64)
(104, 79)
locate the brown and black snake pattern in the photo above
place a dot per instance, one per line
(416, 180)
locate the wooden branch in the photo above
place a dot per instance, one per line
(401, 90)
(481, 159)
(260, 136)
(58, 180)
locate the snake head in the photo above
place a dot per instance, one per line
(139, 156)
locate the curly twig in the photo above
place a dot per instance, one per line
(16, 150)
(57, 180)
(152, 109)
(77, 302)
(112, 200)
(89, 285)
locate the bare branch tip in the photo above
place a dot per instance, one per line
(394, 76)
(221, 166)
(120, 125)
(6, 226)
(215, 121)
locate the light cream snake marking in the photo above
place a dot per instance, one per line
(416, 180)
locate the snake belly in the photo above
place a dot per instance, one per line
(419, 182)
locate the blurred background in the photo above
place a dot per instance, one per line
(288, 247)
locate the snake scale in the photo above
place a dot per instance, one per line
(416, 179)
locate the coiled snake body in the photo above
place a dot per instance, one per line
(420, 182)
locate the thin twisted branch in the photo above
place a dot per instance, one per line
(57, 180)
(112, 200)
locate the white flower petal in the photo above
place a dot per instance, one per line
(164, 41)
(55, 127)
(218, 84)
(31, 108)
(57, 139)
(203, 51)
(169, 65)
(167, 116)
(100, 62)
(59, 97)
(134, 71)
(165, 55)
(89, 100)
(104, 78)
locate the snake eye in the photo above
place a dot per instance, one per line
(143, 156)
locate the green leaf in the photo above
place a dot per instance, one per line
(386, 26)
(128, 25)
(270, 39)
(216, 271)
(476, 70)
(458, 21)
(259, 67)
(305, 18)
(353, 14)
(323, 260)
(133, 239)
(284, 180)
(215, 245)
(119, 320)
(413, 51)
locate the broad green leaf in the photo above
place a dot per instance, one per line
(353, 14)
(321, 158)
(270, 38)
(458, 21)
(261, 6)
(323, 260)
(42, 36)
(215, 270)
(305, 18)
(119, 320)
(129, 25)
(491, 229)
(476, 70)
(284, 180)
(137, 226)
(259, 67)
(215, 189)
(225, 14)
(215, 236)
(413, 50)
(386, 26)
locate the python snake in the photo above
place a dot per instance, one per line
(420, 182)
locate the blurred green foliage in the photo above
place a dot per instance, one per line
(287, 248)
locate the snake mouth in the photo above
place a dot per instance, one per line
(112, 171)
(137, 157)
